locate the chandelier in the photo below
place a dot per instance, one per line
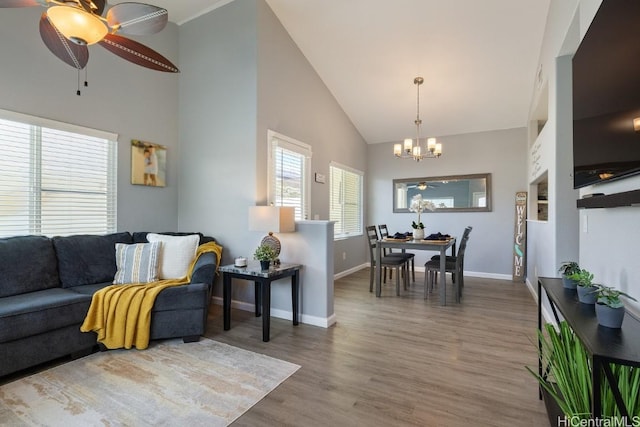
(415, 151)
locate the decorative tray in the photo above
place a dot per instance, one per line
(447, 240)
(392, 239)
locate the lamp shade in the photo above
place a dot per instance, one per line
(277, 219)
(77, 25)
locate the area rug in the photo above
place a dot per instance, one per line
(205, 383)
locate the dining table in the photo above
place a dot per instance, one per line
(440, 246)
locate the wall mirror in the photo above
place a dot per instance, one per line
(456, 193)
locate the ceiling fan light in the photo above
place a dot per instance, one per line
(77, 25)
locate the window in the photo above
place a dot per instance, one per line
(346, 201)
(289, 173)
(55, 178)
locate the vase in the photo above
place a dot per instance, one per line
(568, 283)
(587, 294)
(610, 317)
(264, 265)
(418, 233)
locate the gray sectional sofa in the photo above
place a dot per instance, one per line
(46, 285)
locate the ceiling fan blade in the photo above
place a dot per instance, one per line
(73, 54)
(93, 6)
(137, 19)
(137, 53)
(21, 3)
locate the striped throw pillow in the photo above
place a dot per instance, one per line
(137, 263)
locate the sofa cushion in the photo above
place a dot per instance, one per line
(137, 263)
(183, 297)
(41, 311)
(173, 298)
(176, 254)
(87, 259)
(89, 289)
(28, 263)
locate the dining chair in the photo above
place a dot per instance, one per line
(409, 257)
(453, 266)
(395, 263)
(452, 258)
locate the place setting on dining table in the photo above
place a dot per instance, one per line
(416, 240)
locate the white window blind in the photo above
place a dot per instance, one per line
(55, 179)
(346, 200)
(289, 173)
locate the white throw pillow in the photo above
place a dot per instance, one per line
(176, 254)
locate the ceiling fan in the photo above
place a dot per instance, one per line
(67, 27)
(422, 185)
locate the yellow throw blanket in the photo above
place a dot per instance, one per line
(121, 314)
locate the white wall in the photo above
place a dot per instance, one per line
(501, 153)
(134, 102)
(617, 266)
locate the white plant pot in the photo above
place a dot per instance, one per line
(418, 233)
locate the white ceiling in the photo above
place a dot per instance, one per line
(478, 59)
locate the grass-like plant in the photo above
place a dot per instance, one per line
(569, 376)
(628, 378)
(569, 380)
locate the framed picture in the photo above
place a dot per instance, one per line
(148, 164)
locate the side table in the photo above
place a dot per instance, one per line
(262, 280)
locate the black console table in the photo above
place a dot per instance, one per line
(604, 345)
(262, 280)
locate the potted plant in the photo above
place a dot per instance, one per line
(609, 308)
(568, 268)
(586, 289)
(566, 374)
(418, 205)
(265, 254)
(566, 378)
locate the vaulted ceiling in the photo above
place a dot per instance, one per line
(478, 59)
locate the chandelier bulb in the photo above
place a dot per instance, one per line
(415, 152)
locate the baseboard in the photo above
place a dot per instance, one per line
(323, 322)
(548, 317)
(240, 305)
(420, 269)
(496, 276)
(345, 273)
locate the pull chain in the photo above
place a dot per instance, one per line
(78, 91)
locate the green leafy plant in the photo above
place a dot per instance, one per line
(264, 253)
(417, 225)
(569, 370)
(569, 379)
(569, 267)
(582, 277)
(610, 296)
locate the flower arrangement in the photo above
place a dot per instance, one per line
(418, 205)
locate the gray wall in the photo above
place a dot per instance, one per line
(135, 102)
(293, 100)
(241, 75)
(501, 153)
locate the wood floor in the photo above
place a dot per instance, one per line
(401, 361)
